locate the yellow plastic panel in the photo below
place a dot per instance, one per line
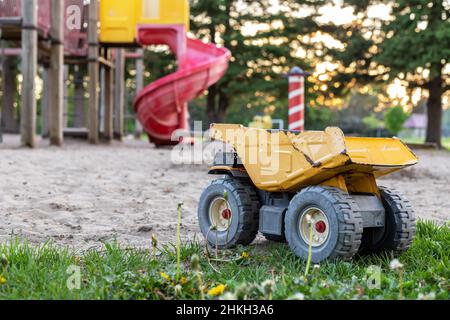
(119, 19)
(379, 152)
(279, 160)
(163, 12)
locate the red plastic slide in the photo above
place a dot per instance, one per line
(162, 106)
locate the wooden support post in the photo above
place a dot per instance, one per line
(119, 94)
(139, 87)
(93, 73)
(109, 101)
(56, 75)
(29, 72)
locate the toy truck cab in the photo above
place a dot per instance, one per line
(313, 189)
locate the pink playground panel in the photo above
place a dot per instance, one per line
(75, 41)
(12, 9)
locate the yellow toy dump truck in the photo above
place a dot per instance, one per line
(313, 189)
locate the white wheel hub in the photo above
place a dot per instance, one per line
(315, 218)
(220, 214)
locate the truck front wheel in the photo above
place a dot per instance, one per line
(228, 213)
(332, 216)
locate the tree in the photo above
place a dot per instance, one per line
(259, 58)
(419, 38)
(372, 124)
(414, 45)
(394, 119)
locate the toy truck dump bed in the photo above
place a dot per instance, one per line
(283, 160)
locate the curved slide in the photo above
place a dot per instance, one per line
(162, 106)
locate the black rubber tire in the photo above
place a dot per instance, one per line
(271, 237)
(345, 223)
(400, 224)
(244, 205)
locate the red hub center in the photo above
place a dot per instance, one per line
(226, 214)
(320, 226)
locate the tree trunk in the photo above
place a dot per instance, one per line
(11, 124)
(434, 128)
(211, 101)
(224, 102)
(211, 104)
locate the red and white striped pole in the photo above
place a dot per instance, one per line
(297, 99)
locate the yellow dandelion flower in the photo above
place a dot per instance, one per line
(183, 281)
(217, 291)
(165, 276)
(245, 255)
(2, 280)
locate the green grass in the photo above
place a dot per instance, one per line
(267, 270)
(445, 141)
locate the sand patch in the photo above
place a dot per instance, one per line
(81, 195)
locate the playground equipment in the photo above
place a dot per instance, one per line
(75, 38)
(53, 34)
(162, 106)
(45, 28)
(313, 189)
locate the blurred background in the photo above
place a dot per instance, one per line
(378, 68)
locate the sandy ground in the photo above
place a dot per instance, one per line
(81, 195)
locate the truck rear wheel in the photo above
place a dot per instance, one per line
(400, 225)
(228, 213)
(337, 226)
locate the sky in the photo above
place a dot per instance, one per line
(339, 15)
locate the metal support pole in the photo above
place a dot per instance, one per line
(139, 87)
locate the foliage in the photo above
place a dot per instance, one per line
(266, 42)
(394, 119)
(318, 118)
(9, 93)
(264, 271)
(372, 122)
(419, 37)
(415, 39)
(260, 57)
(446, 120)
